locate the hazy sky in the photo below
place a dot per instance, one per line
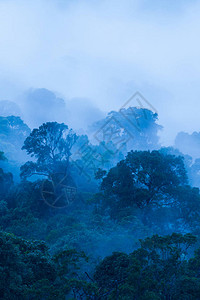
(105, 51)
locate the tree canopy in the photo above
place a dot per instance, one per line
(143, 178)
(49, 145)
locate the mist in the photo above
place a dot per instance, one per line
(105, 52)
(99, 149)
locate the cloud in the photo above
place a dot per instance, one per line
(105, 51)
(41, 105)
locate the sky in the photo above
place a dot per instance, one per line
(105, 51)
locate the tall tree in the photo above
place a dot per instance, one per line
(143, 178)
(50, 146)
(135, 128)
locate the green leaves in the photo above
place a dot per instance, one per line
(50, 145)
(28, 271)
(144, 178)
(157, 270)
(51, 142)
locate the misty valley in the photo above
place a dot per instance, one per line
(92, 206)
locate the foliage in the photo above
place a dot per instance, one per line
(6, 182)
(140, 208)
(129, 129)
(50, 145)
(13, 132)
(157, 270)
(144, 178)
(29, 272)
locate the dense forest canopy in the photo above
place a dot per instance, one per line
(105, 215)
(99, 150)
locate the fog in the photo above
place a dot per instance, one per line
(105, 51)
(99, 149)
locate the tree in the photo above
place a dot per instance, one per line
(6, 179)
(23, 264)
(129, 129)
(13, 132)
(188, 203)
(144, 178)
(159, 270)
(50, 145)
(29, 271)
